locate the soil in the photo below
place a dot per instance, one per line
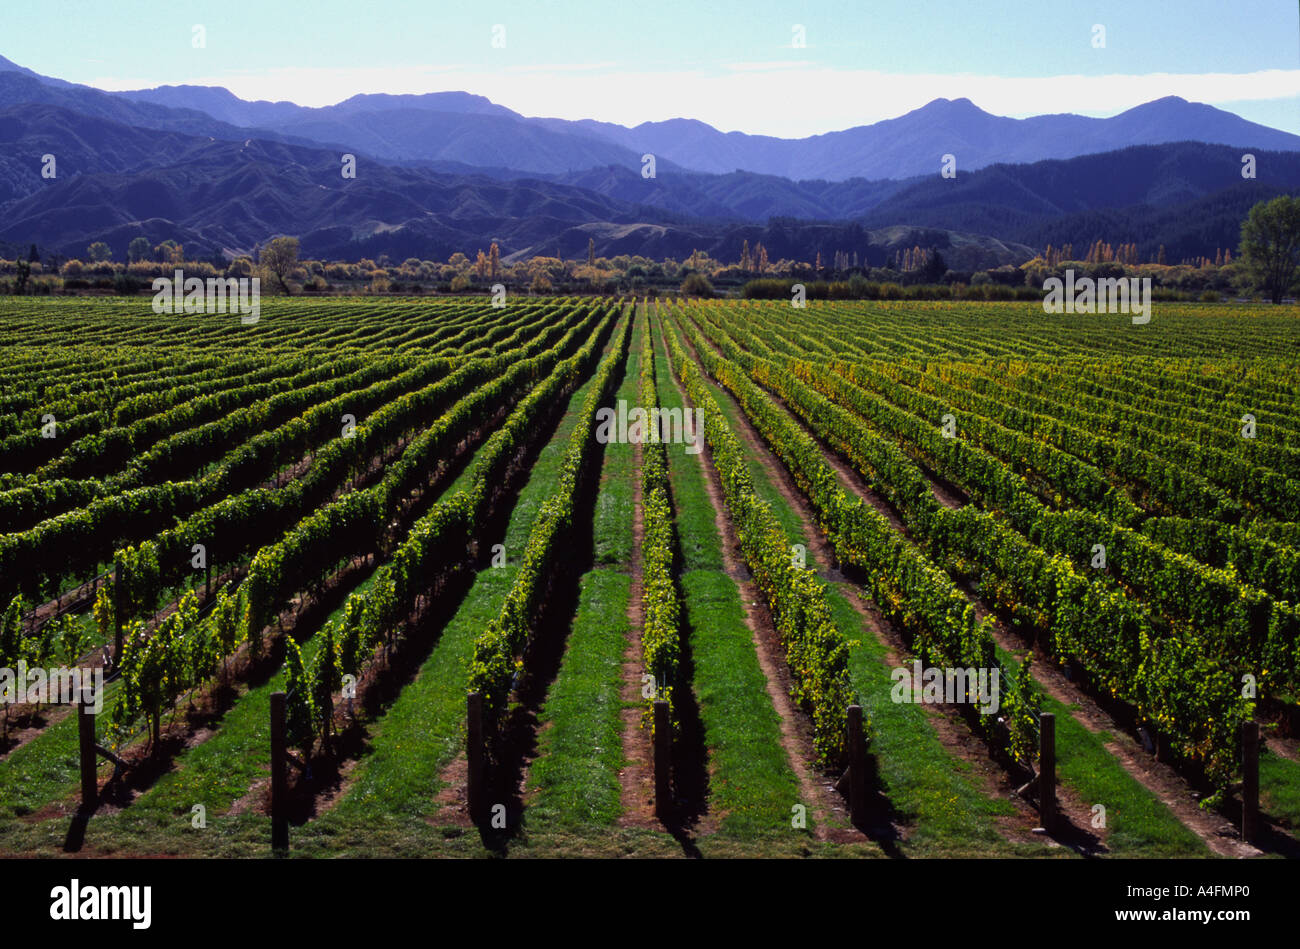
(637, 777)
(1159, 778)
(389, 671)
(796, 730)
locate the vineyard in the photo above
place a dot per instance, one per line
(610, 577)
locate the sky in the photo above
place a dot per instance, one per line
(789, 69)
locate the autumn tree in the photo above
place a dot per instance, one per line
(481, 265)
(99, 251)
(1270, 245)
(279, 257)
(494, 261)
(169, 252)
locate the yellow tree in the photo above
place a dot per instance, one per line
(279, 257)
(169, 252)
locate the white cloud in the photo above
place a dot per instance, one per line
(762, 67)
(744, 96)
(563, 67)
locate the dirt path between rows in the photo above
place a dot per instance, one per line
(1283, 747)
(521, 730)
(796, 731)
(1161, 780)
(637, 776)
(1158, 778)
(955, 736)
(36, 721)
(193, 724)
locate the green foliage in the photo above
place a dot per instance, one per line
(139, 582)
(225, 621)
(138, 249)
(660, 601)
(815, 651)
(299, 711)
(11, 630)
(325, 679)
(496, 652)
(71, 637)
(696, 285)
(1270, 245)
(1031, 560)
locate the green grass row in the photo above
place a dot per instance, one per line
(576, 775)
(752, 786)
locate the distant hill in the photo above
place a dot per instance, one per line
(24, 87)
(225, 105)
(1187, 196)
(914, 143)
(470, 129)
(159, 164)
(117, 182)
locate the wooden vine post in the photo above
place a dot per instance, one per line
(86, 742)
(663, 744)
(1047, 771)
(857, 768)
(1249, 781)
(475, 754)
(279, 789)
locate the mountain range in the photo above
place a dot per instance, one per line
(457, 126)
(443, 172)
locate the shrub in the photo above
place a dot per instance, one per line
(126, 285)
(696, 285)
